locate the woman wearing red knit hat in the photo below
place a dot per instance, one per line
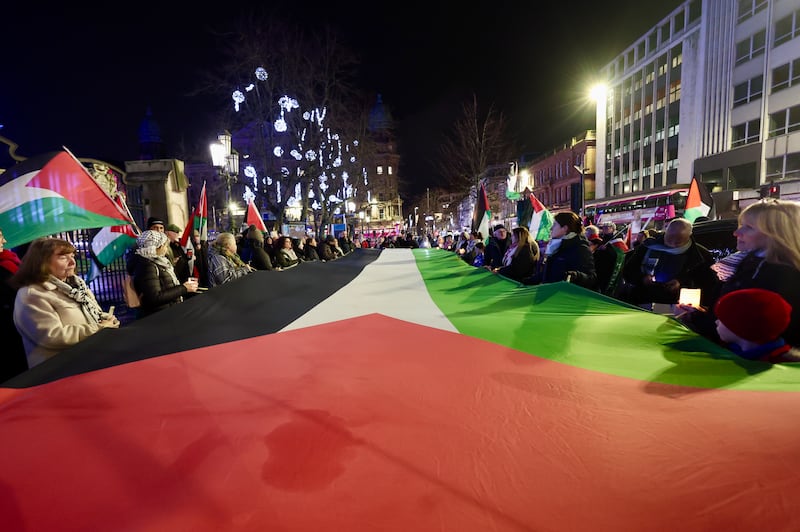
(750, 321)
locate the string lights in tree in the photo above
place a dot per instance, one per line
(317, 153)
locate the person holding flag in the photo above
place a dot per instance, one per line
(194, 241)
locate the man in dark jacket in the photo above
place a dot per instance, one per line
(655, 271)
(496, 247)
(180, 260)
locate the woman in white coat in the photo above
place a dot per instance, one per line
(54, 309)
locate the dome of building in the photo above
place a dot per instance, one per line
(149, 132)
(379, 116)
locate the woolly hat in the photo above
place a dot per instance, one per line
(174, 228)
(499, 226)
(151, 239)
(754, 314)
(153, 221)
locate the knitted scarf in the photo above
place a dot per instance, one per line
(726, 266)
(76, 288)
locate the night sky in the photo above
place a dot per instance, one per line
(84, 79)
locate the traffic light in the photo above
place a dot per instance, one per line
(771, 191)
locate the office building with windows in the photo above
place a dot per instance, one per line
(713, 90)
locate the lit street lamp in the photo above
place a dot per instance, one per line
(226, 161)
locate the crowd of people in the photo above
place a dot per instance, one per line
(47, 307)
(762, 277)
(750, 300)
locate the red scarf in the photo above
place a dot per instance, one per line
(9, 261)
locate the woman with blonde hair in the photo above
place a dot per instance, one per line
(768, 257)
(54, 308)
(224, 264)
(522, 256)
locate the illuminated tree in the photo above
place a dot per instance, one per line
(293, 118)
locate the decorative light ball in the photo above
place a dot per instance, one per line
(311, 155)
(261, 74)
(284, 171)
(280, 125)
(250, 171)
(353, 159)
(277, 151)
(237, 96)
(296, 154)
(287, 103)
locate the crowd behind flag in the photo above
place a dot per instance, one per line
(699, 202)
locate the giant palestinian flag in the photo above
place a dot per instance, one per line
(400, 390)
(52, 193)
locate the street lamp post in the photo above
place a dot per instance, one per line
(582, 187)
(226, 161)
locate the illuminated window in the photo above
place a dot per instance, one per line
(380, 170)
(389, 170)
(675, 92)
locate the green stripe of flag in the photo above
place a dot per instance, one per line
(47, 216)
(569, 324)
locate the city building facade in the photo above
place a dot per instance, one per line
(713, 91)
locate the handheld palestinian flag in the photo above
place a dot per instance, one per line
(699, 203)
(111, 242)
(201, 215)
(52, 193)
(482, 214)
(198, 221)
(254, 218)
(541, 220)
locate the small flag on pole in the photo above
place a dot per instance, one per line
(482, 214)
(198, 221)
(699, 203)
(254, 217)
(541, 220)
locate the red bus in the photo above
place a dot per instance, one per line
(642, 211)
